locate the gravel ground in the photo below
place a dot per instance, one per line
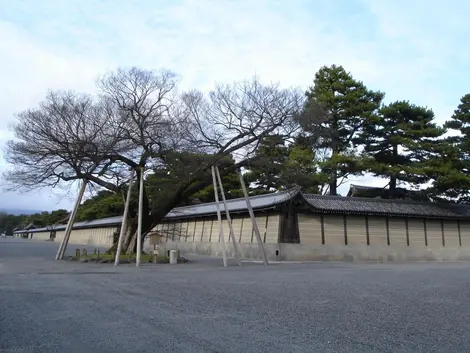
(49, 306)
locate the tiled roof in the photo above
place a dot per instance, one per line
(461, 209)
(257, 202)
(319, 203)
(96, 223)
(385, 193)
(357, 205)
(30, 226)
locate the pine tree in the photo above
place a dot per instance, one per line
(451, 173)
(177, 165)
(337, 108)
(301, 167)
(266, 172)
(400, 141)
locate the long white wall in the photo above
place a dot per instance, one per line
(347, 230)
(89, 236)
(206, 230)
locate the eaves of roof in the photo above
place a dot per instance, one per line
(385, 207)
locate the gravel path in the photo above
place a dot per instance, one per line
(49, 306)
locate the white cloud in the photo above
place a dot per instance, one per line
(406, 49)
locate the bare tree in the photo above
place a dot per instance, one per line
(140, 120)
(239, 115)
(66, 138)
(159, 122)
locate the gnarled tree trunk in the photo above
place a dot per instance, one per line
(152, 218)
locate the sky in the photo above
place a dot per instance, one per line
(411, 50)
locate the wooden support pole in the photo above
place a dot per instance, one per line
(219, 217)
(229, 220)
(124, 220)
(68, 229)
(139, 217)
(253, 219)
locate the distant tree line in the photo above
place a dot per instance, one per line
(316, 139)
(10, 222)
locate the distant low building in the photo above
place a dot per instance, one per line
(386, 193)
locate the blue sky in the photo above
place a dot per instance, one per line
(415, 50)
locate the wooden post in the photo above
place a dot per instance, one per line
(407, 226)
(68, 229)
(139, 217)
(387, 225)
(253, 219)
(443, 233)
(229, 220)
(367, 230)
(219, 217)
(124, 221)
(425, 232)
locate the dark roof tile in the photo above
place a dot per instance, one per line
(257, 202)
(357, 205)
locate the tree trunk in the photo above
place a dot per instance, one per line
(393, 178)
(155, 217)
(333, 183)
(393, 184)
(333, 179)
(132, 245)
(130, 237)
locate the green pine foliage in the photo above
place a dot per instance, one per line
(281, 165)
(177, 166)
(344, 130)
(265, 173)
(399, 142)
(103, 204)
(451, 172)
(337, 109)
(301, 167)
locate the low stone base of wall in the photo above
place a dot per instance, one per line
(364, 253)
(300, 252)
(247, 250)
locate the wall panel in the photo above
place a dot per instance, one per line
(185, 230)
(203, 229)
(42, 235)
(261, 222)
(334, 229)
(434, 233)
(247, 231)
(237, 228)
(465, 233)
(451, 233)
(309, 228)
(377, 230)
(356, 227)
(416, 232)
(272, 229)
(397, 231)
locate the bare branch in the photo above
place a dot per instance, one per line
(239, 115)
(146, 108)
(62, 140)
